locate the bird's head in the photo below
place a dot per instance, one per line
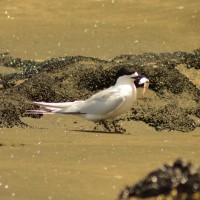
(129, 75)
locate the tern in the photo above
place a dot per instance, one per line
(105, 105)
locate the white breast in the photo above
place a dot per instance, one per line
(129, 96)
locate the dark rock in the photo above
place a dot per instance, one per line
(77, 77)
(180, 179)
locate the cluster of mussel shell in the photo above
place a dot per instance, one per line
(176, 181)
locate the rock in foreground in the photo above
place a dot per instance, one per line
(180, 180)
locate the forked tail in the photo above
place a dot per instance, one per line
(57, 108)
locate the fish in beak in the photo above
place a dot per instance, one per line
(141, 81)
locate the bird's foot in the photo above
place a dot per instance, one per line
(118, 128)
(105, 126)
(114, 127)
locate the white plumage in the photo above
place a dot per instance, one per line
(104, 105)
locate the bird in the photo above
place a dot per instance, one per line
(104, 106)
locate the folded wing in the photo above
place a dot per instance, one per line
(101, 103)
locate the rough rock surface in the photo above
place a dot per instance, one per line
(176, 105)
(180, 180)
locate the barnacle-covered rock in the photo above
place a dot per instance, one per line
(181, 180)
(164, 117)
(77, 77)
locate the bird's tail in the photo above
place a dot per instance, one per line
(57, 108)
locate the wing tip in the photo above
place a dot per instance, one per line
(36, 112)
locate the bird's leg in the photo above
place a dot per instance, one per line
(118, 128)
(105, 125)
(115, 125)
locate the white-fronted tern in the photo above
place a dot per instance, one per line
(105, 105)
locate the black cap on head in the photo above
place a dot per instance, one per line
(124, 71)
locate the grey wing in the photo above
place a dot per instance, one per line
(103, 103)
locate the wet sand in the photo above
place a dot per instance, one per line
(100, 28)
(59, 160)
(62, 158)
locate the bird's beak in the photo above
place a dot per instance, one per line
(146, 87)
